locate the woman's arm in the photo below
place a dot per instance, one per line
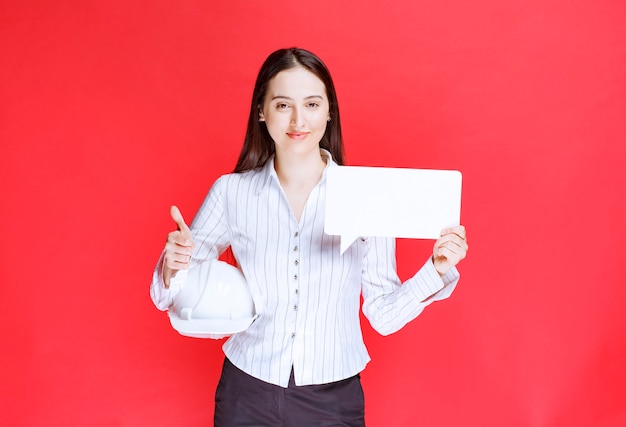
(389, 304)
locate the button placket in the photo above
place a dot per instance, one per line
(294, 257)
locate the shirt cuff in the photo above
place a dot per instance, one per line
(427, 284)
(162, 296)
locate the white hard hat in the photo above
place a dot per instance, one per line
(214, 300)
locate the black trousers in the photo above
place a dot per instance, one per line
(242, 400)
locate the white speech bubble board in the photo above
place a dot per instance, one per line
(390, 202)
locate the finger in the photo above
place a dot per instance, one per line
(177, 249)
(184, 234)
(452, 241)
(179, 220)
(446, 249)
(180, 258)
(179, 244)
(447, 255)
(458, 230)
(178, 262)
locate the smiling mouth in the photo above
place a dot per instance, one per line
(297, 135)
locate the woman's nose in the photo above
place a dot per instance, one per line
(297, 118)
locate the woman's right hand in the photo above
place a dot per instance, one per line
(178, 247)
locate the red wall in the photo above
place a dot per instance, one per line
(111, 111)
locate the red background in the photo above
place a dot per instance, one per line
(111, 111)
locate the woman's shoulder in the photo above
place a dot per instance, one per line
(251, 178)
(248, 175)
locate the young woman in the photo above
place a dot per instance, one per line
(298, 364)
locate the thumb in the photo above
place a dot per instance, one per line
(179, 220)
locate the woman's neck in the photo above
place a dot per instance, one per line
(298, 175)
(299, 170)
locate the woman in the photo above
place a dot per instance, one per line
(298, 364)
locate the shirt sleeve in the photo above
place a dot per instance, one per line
(390, 304)
(211, 238)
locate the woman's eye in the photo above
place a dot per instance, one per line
(313, 105)
(281, 106)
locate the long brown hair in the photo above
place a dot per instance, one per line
(258, 145)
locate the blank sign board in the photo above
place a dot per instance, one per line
(372, 201)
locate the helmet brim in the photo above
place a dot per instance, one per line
(207, 328)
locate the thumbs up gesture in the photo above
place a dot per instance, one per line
(178, 247)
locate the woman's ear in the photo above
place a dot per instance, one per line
(261, 116)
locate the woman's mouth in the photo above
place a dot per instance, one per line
(297, 135)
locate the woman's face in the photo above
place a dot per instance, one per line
(296, 111)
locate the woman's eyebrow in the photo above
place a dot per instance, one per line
(291, 99)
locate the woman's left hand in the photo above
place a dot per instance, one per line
(450, 248)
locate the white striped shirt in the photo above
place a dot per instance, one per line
(307, 295)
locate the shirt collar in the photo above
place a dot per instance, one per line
(268, 171)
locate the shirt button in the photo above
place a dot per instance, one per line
(295, 307)
(293, 335)
(296, 234)
(297, 291)
(295, 249)
(295, 277)
(295, 262)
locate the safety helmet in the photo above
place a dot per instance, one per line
(215, 300)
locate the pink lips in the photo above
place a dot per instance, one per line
(297, 135)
